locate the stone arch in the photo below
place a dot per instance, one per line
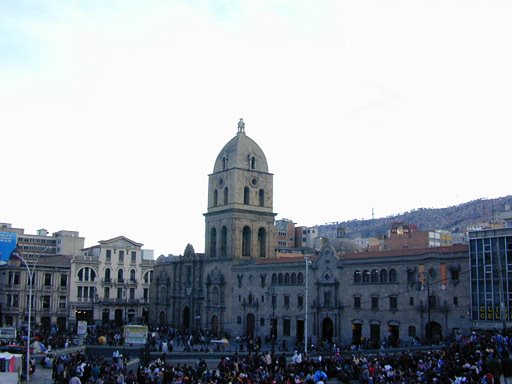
(262, 242)
(246, 241)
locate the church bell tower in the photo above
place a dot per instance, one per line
(239, 221)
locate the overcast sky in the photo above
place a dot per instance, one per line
(112, 113)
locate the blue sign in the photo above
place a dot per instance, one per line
(7, 244)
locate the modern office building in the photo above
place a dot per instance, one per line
(490, 252)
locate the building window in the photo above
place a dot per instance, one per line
(239, 320)
(262, 197)
(213, 242)
(393, 303)
(357, 302)
(455, 300)
(215, 197)
(412, 331)
(366, 276)
(327, 298)
(132, 293)
(120, 276)
(86, 274)
(411, 300)
(262, 321)
(119, 293)
(107, 275)
(63, 280)
(148, 277)
(108, 255)
(46, 302)
(375, 303)
(383, 276)
(106, 293)
(226, 194)
(121, 256)
(246, 196)
(392, 276)
(145, 294)
(246, 241)
(134, 257)
(357, 277)
(286, 301)
(62, 302)
(375, 276)
(455, 274)
(132, 276)
(14, 278)
(47, 279)
(286, 327)
(300, 301)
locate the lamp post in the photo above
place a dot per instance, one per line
(308, 262)
(30, 273)
(190, 314)
(273, 330)
(425, 278)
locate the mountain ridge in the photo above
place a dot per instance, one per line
(455, 218)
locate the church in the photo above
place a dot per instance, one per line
(240, 288)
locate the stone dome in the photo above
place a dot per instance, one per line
(241, 152)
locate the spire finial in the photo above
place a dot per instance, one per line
(241, 126)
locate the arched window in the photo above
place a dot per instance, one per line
(383, 276)
(392, 276)
(375, 276)
(357, 277)
(215, 296)
(213, 242)
(162, 294)
(253, 162)
(215, 196)
(294, 278)
(287, 278)
(300, 278)
(226, 196)
(107, 275)
(246, 241)
(262, 242)
(223, 242)
(366, 276)
(274, 279)
(148, 277)
(261, 195)
(280, 278)
(86, 274)
(120, 276)
(246, 195)
(132, 275)
(224, 163)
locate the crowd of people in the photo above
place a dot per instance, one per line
(482, 358)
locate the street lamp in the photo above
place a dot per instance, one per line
(308, 262)
(30, 273)
(425, 277)
(273, 330)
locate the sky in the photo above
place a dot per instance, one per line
(112, 113)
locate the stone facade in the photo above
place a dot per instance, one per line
(240, 288)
